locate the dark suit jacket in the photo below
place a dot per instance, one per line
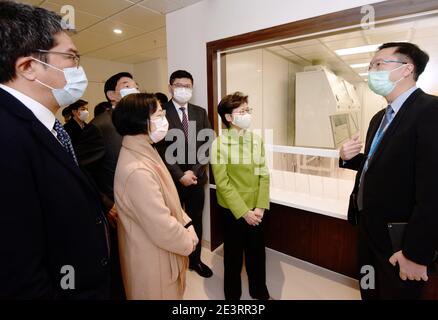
(98, 151)
(74, 130)
(199, 115)
(50, 215)
(400, 184)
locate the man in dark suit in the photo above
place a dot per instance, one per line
(180, 153)
(74, 128)
(48, 250)
(397, 176)
(98, 151)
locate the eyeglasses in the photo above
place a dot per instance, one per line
(75, 57)
(178, 85)
(376, 65)
(242, 112)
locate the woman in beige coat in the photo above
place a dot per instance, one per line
(155, 235)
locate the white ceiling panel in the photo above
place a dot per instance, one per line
(105, 28)
(101, 8)
(141, 17)
(166, 6)
(82, 19)
(87, 41)
(137, 45)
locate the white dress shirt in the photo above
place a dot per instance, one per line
(44, 115)
(180, 112)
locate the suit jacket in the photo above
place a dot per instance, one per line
(50, 215)
(153, 242)
(74, 130)
(191, 161)
(400, 184)
(97, 152)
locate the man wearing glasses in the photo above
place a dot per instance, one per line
(47, 250)
(180, 153)
(397, 177)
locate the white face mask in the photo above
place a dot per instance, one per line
(83, 115)
(161, 128)
(127, 91)
(74, 89)
(182, 95)
(242, 121)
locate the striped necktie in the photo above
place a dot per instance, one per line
(185, 122)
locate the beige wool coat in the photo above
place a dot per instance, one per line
(153, 242)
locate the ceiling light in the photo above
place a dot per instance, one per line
(117, 31)
(359, 65)
(363, 74)
(356, 50)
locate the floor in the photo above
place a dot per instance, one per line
(287, 279)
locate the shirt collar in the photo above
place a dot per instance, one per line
(401, 99)
(44, 115)
(177, 106)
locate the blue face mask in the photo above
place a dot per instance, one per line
(380, 83)
(74, 89)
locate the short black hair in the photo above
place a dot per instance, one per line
(24, 30)
(179, 74)
(66, 111)
(229, 103)
(111, 83)
(418, 57)
(102, 107)
(161, 97)
(78, 104)
(131, 115)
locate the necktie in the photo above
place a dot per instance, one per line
(185, 122)
(389, 115)
(65, 140)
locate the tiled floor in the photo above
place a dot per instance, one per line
(287, 279)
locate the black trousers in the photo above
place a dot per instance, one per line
(192, 200)
(240, 238)
(388, 285)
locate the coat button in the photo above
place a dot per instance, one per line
(98, 221)
(104, 262)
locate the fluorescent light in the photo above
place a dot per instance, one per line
(359, 65)
(117, 31)
(356, 50)
(363, 74)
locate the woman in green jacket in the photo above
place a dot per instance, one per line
(242, 188)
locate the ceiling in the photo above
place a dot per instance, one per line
(322, 50)
(142, 21)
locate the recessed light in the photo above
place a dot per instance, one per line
(359, 65)
(363, 74)
(117, 31)
(356, 50)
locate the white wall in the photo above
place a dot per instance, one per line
(189, 29)
(152, 76)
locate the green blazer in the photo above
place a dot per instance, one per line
(240, 172)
